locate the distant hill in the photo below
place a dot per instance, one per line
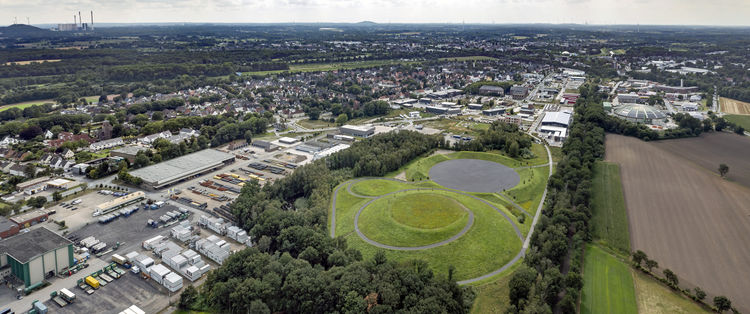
(23, 30)
(367, 23)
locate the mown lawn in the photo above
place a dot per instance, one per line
(609, 215)
(489, 244)
(24, 105)
(607, 284)
(413, 218)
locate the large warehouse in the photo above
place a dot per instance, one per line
(555, 124)
(175, 170)
(36, 255)
(358, 131)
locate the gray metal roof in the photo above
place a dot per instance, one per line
(640, 112)
(181, 166)
(25, 246)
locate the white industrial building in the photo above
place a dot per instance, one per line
(555, 124)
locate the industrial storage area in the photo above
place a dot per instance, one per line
(133, 249)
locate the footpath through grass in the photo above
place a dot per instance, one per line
(607, 284)
(609, 215)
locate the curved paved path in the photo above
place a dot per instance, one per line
(515, 259)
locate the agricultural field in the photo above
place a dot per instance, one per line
(710, 150)
(26, 104)
(609, 216)
(607, 284)
(684, 215)
(741, 120)
(653, 297)
(732, 106)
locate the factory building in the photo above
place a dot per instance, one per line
(181, 168)
(358, 131)
(555, 125)
(36, 255)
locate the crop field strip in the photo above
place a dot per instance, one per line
(609, 216)
(608, 284)
(685, 216)
(732, 106)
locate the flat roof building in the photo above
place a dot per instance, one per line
(492, 90)
(266, 145)
(175, 170)
(560, 119)
(358, 131)
(36, 255)
(127, 152)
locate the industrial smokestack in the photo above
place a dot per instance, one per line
(74, 20)
(80, 20)
(92, 20)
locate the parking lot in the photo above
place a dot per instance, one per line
(77, 216)
(116, 296)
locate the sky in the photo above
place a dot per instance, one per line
(661, 12)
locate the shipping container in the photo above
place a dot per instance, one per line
(91, 281)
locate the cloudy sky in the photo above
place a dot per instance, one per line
(683, 12)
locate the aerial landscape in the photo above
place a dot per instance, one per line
(327, 156)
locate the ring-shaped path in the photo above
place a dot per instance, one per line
(507, 265)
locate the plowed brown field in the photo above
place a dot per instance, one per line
(685, 216)
(732, 106)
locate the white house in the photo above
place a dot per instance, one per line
(110, 143)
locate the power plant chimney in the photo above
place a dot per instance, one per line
(92, 20)
(79, 18)
(74, 20)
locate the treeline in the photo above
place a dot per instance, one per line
(500, 136)
(550, 278)
(296, 267)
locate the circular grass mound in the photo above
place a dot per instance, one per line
(413, 219)
(423, 211)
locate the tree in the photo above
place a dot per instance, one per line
(651, 264)
(723, 170)
(520, 284)
(57, 196)
(699, 294)
(30, 171)
(722, 303)
(341, 119)
(188, 297)
(671, 277)
(30, 132)
(638, 257)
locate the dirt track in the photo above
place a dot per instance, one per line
(685, 216)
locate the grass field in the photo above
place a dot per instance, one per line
(741, 120)
(26, 104)
(609, 215)
(608, 284)
(380, 187)
(656, 298)
(31, 61)
(528, 192)
(315, 124)
(489, 244)
(492, 296)
(732, 106)
(413, 218)
(469, 58)
(323, 67)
